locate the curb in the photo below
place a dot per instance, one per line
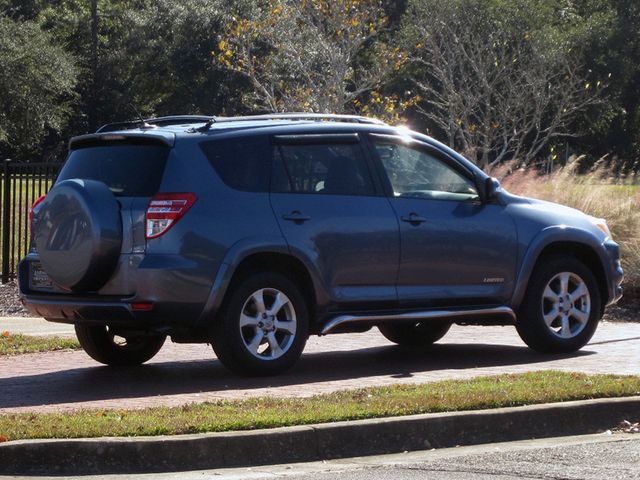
(313, 442)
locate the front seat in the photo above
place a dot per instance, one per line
(343, 177)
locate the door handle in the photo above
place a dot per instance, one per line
(413, 218)
(296, 216)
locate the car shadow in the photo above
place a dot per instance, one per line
(199, 376)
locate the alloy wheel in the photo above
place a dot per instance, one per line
(268, 324)
(566, 305)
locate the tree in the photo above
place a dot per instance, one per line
(314, 55)
(151, 57)
(37, 80)
(497, 80)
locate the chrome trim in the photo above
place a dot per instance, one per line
(300, 116)
(425, 315)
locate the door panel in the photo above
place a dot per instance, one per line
(454, 249)
(463, 251)
(331, 214)
(352, 240)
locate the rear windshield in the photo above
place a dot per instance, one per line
(128, 170)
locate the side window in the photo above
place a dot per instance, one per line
(329, 169)
(416, 173)
(242, 163)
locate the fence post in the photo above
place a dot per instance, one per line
(5, 221)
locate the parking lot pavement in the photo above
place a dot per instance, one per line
(179, 374)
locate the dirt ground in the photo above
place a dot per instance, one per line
(10, 305)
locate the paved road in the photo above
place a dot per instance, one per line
(182, 374)
(589, 457)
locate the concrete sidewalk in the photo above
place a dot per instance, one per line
(35, 326)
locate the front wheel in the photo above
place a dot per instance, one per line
(108, 346)
(561, 309)
(263, 327)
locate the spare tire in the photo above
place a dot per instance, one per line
(78, 234)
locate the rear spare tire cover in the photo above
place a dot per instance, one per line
(78, 235)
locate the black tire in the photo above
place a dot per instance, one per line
(232, 343)
(101, 344)
(79, 243)
(414, 334)
(531, 324)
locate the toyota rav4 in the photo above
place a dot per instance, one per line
(251, 233)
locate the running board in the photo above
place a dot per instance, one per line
(417, 316)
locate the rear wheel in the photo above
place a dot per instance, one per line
(414, 334)
(111, 347)
(263, 327)
(562, 306)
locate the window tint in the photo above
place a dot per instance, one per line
(331, 169)
(242, 163)
(417, 173)
(128, 170)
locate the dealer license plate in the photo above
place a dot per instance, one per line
(39, 278)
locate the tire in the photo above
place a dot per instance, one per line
(80, 236)
(414, 334)
(562, 306)
(263, 327)
(104, 346)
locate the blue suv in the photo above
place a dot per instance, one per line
(251, 233)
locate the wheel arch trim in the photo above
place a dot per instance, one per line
(242, 250)
(548, 237)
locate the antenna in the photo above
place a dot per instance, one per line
(143, 123)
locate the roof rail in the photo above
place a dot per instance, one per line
(158, 121)
(208, 121)
(299, 116)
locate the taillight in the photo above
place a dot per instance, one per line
(35, 204)
(164, 210)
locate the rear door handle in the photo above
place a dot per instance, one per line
(296, 216)
(413, 218)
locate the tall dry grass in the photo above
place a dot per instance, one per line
(598, 193)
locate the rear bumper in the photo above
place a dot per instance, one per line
(175, 291)
(83, 311)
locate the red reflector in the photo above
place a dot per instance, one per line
(35, 204)
(142, 306)
(164, 210)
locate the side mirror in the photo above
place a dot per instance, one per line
(491, 188)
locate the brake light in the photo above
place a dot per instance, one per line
(164, 210)
(35, 204)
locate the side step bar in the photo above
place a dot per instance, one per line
(418, 316)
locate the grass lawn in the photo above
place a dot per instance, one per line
(375, 402)
(15, 343)
(23, 193)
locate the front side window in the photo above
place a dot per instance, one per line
(417, 173)
(329, 169)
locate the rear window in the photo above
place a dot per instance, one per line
(128, 170)
(242, 163)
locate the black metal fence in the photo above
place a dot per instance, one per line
(21, 184)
